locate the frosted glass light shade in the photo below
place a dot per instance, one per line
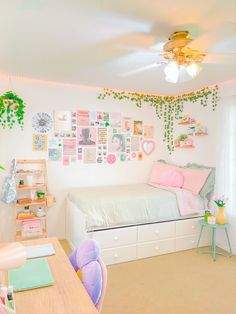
(193, 69)
(176, 73)
(172, 72)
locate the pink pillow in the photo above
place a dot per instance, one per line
(194, 179)
(158, 170)
(172, 178)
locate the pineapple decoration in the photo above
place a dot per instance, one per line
(11, 110)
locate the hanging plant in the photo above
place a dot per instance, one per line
(168, 108)
(11, 110)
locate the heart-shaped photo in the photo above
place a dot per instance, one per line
(148, 147)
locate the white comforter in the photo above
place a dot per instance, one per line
(125, 205)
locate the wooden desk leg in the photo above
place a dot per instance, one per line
(213, 244)
(230, 249)
(200, 234)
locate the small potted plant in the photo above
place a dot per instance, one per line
(40, 196)
(21, 183)
(182, 138)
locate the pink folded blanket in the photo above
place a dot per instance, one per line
(188, 202)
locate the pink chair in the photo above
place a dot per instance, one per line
(104, 284)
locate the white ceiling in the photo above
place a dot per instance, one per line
(93, 42)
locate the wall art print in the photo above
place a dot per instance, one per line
(39, 142)
(148, 147)
(100, 137)
(42, 122)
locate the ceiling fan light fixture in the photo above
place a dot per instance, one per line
(193, 69)
(172, 72)
(183, 61)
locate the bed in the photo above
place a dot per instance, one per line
(134, 221)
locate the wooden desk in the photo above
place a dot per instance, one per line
(67, 296)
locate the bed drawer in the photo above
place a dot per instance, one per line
(116, 237)
(119, 254)
(187, 227)
(190, 242)
(156, 231)
(155, 248)
(186, 243)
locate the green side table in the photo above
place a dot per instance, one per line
(213, 228)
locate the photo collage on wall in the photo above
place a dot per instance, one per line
(97, 137)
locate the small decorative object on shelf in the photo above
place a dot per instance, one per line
(220, 202)
(40, 196)
(31, 213)
(186, 120)
(24, 201)
(211, 219)
(25, 214)
(40, 212)
(183, 141)
(21, 184)
(207, 214)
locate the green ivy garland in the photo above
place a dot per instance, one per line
(11, 110)
(166, 107)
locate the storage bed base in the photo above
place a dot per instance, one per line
(124, 244)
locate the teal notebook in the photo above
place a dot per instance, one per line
(35, 273)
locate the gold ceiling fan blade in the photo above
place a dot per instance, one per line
(141, 69)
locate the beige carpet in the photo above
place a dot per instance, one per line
(177, 283)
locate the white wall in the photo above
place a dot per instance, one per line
(45, 97)
(17, 144)
(208, 151)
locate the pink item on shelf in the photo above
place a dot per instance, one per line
(32, 227)
(172, 178)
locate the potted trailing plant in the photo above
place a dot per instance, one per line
(11, 110)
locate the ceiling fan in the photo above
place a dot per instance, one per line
(182, 62)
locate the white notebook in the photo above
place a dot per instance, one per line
(41, 250)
